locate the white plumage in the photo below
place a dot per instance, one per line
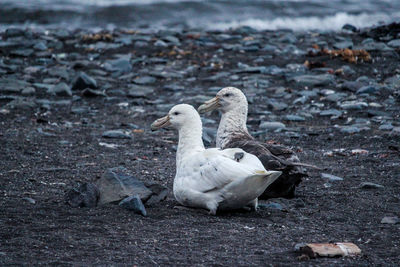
(212, 178)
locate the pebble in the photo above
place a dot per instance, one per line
(135, 204)
(350, 129)
(394, 43)
(61, 89)
(353, 105)
(30, 200)
(314, 80)
(331, 177)
(294, 118)
(390, 220)
(331, 112)
(271, 205)
(369, 89)
(145, 80)
(116, 134)
(369, 185)
(272, 126)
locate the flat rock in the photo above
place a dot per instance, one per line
(369, 185)
(145, 80)
(331, 112)
(133, 203)
(116, 185)
(86, 195)
(136, 91)
(61, 89)
(116, 134)
(88, 92)
(390, 220)
(294, 118)
(159, 193)
(272, 125)
(331, 177)
(314, 80)
(121, 65)
(394, 43)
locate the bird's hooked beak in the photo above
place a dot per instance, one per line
(209, 105)
(160, 123)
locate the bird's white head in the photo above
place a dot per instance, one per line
(227, 99)
(178, 116)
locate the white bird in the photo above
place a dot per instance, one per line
(212, 179)
(232, 132)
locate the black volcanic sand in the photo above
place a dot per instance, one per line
(51, 142)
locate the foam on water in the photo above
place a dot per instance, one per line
(327, 23)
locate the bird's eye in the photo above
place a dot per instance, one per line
(176, 113)
(227, 94)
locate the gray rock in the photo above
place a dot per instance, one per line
(41, 46)
(116, 185)
(86, 195)
(272, 125)
(159, 193)
(12, 85)
(14, 32)
(314, 80)
(386, 127)
(331, 112)
(350, 129)
(378, 46)
(61, 89)
(369, 185)
(390, 220)
(271, 205)
(352, 86)
(59, 72)
(135, 204)
(369, 89)
(136, 91)
(160, 43)
(28, 91)
(21, 103)
(294, 118)
(394, 43)
(116, 134)
(145, 80)
(88, 92)
(393, 81)
(343, 45)
(121, 65)
(217, 77)
(276, 105)
(30, 200)
(349, 27)
(353, 105)
(83, 81)
(287, 38)
(22, 52)
(331, 177)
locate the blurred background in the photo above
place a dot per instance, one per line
(298, 15)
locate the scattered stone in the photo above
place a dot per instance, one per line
(135, 204)
(83, 81)
(145, 80)
(28, 91)
(88, 92)
(350, 129)
(30, 200)
(390, 220)
(359, 151)
(61, 89)
(276, 105)
(86, 195)
(159, 193)
(343, 45)
(386, 127)
(331, 177)
(139, 91)
(314, 80)
(369, 185)
(294, 118)
(116, 185)
(369, 89)
(271, 205)
(272, 126)
(116, 134)
(331, 112)
(353, 105)
(349, 27)
(121, 65)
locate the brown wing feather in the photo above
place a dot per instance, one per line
(273, 157)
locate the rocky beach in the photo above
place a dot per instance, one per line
(75, 103)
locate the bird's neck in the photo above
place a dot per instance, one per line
(190, 140)
(232, 122)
